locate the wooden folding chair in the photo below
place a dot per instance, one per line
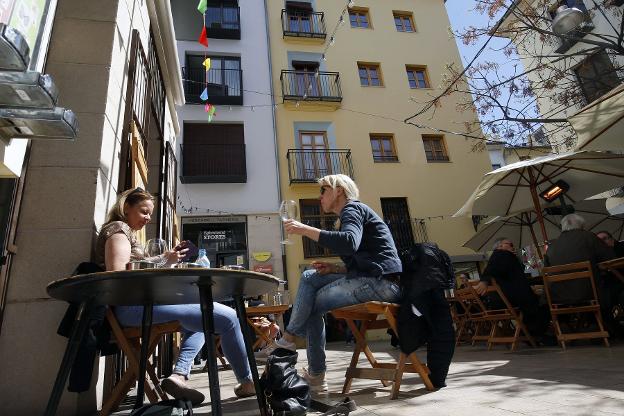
(474, 314)
(461, 319)
(499, 318)
(569, 272)
(263, 310)
(129, 341)
(368, 313)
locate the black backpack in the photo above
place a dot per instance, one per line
(425, 267)
(173, 407)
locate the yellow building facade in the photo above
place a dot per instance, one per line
(340, 109)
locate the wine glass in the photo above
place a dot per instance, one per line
(288, 211)
(156, 247)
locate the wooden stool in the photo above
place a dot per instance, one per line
(368, 313)
(129, 341)
(277, 310)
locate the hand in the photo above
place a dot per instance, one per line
(175, 255)
(481, 288)
(295, 227)
(322, 267)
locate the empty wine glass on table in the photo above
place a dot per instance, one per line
(288, 211)
(154, 250)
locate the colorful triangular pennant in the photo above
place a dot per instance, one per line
(204, 95)
(203, 39)
(206, 64)
(202, 6)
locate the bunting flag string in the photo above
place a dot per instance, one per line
(210, 109)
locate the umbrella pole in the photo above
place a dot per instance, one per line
(536, 204)
(537, 247)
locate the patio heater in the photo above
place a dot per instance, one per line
(556, 191)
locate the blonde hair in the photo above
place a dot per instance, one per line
(349, 187)
(130, 197)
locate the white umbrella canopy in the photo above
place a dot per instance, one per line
(521, 228)
(515, 187)
(599, 125)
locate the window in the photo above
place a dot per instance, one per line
(417, 77)
(383, 148)
(314, 161)
(404, 22)
(313, 215)
(370, 75)
(213, 153)
(596, 76)
(359, 18)
(435, 150)
(396, 215)
(224, 80)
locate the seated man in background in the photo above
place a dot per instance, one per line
(575, 244)
(607, 238)
(508, 271)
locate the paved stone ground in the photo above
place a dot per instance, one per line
(583, 380)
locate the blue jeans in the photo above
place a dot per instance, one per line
(319, 294)
(190, 317)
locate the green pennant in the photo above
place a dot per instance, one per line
(202, 6)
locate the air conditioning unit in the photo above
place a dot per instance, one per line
(14, 50)
(27, 89)
(57, 123)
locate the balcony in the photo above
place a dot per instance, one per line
(305, 26)
(225, 86)
(306, 166)
(213, 163)
(316, 88)
(223, 22)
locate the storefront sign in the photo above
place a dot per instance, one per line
(263, 268)
(214, 235)
(261, 255)
(214, 220)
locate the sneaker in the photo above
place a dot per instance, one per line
(264, 353)
(317, 382)
(177, 388)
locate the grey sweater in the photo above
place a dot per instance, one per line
(364, 242)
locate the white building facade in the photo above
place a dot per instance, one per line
(228, 183)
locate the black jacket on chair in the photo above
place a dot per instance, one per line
(97, 337)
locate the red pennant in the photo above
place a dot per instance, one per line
(203, 39)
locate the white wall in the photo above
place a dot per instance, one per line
(260, 193)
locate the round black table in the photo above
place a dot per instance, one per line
(150, 287)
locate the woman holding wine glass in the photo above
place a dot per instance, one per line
(370, 271)
(117, 245)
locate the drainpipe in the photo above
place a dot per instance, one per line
(279, 186)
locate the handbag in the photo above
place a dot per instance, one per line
(286, 392)
(174, 407)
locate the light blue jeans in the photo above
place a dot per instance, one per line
(319, 294)
(190, 317)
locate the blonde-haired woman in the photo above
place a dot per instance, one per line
(365, 245)
(117, 245)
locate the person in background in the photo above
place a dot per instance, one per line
(607, 238)
(508, 271)
(462, 280)
(370, 271)
(116, 245)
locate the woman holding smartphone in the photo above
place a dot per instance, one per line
(365, 245)
(116, 246)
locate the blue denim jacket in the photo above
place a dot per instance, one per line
(364, 242)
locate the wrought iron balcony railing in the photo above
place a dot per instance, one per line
(311, 86)
(303, 24)
(225, 86)
(213, 163)
(223, 22)
(306, 166)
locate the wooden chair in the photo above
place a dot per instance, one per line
(368, 313)
(461, 319)
(129, 341)
(264, 310)
(499, 318)
(474, 314)
(569, 272)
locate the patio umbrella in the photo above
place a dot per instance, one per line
(516, 187)
(520, 227)
(599, 126)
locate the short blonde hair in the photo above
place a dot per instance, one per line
(131, 197)
(349, 187)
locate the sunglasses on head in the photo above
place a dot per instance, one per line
(136, 190)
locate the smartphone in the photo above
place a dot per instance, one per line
(192, 250)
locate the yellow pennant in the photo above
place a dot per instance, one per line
(207, 64)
